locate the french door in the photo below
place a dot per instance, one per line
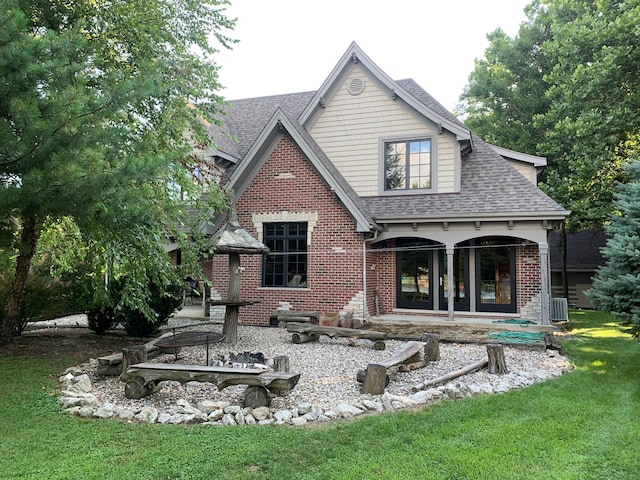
(495, 278)
(414, 271)
(460, 280)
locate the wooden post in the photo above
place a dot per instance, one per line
(230, 328)
(130, 356)
(281, 363)
(206, 306)
(374, 379)
(497, 363)
(432, 347)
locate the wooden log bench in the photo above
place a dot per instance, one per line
(112, 364)
(375, 376)
(282, 317)
(304, 333)
(143, 379)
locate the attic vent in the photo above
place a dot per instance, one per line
(355, 86)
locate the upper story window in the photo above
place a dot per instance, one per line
(286, 266)
(407, 165)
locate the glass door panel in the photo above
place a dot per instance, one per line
(414, 285)
(460, 281)
(496, 279)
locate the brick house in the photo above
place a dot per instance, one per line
(374, 199)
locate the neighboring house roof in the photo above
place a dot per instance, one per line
(583, 250)
(490, 187)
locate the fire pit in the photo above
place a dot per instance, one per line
(190, 339)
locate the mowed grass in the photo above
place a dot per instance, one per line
(583, 425)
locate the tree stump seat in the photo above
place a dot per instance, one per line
(375, 377)
(143, 379)
(305, 332)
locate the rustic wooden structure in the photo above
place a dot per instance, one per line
(305, 332)
(112, 364)
(143, 379)
(450, 376)
(432, 347)
(375, 379)
(132, 355)
(282, 317)
(496, 360)
(234, 240)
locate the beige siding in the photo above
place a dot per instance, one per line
(350, 128)
(526, 169)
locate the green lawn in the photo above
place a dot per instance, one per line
(583, 425)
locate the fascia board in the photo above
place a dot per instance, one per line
(522, 157)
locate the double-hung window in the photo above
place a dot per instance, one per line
(407, 165)
(286, 266)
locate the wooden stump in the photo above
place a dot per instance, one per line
(361, 374)
(256, 396)
(136, 389)
(497, 363)
(301, 337)
(281, 363)
(130, 356)
(374, 379)
(379, 345)
(432, 347)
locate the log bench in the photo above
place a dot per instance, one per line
(304, 333)
(375, 376)
(282, 317)
(143, 379)
(112, 364)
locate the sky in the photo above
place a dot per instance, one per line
(289, 46)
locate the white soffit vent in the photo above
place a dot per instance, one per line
(355, 86)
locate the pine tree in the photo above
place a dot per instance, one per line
(616, 286)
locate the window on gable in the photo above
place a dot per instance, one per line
(286, 266)
(407, 165)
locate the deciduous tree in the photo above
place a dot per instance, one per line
(95, 100)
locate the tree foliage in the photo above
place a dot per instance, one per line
(95, 100)
(566, 88)
(616, 286)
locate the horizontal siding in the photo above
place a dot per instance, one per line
(350, 128)
(527, 170)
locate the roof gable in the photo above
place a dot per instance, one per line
(264, 144)
(396, 90)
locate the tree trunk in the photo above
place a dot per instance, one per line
(230, 328)
(31, 228)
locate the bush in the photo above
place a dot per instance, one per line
(163, 301)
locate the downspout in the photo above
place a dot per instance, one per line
(365, 310)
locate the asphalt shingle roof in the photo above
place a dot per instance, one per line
(490, 186)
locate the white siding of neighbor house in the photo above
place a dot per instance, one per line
(526, 169)
(351, 127)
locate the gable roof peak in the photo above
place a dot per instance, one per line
(354, 54)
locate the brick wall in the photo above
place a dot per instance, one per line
(287, 186)
(528, 288)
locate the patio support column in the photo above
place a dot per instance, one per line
(451, 300)
(545, 292)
